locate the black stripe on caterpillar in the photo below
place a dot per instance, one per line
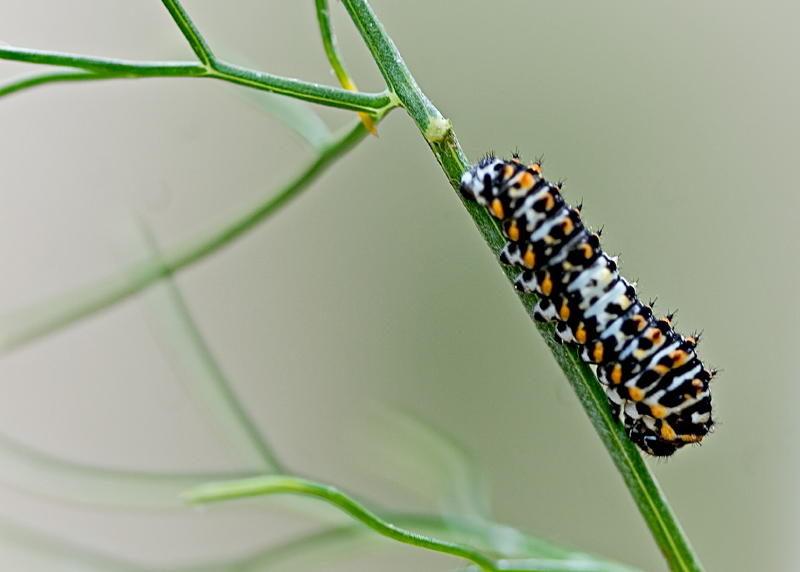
(655, 383)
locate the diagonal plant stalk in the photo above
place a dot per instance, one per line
(437, 131)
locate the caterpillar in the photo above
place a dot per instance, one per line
(656, 385)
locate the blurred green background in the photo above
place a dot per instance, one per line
(675, 124)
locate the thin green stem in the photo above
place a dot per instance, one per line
(322, 94)
(206, 379)
(125, 68)
(279, 484)
(395, 72)
(31, 323)
(648, 496)
(201, 49)
(336, 60)
(329, 43)
(313, 92)
(50, 77)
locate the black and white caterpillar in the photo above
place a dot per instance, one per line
(656, 385)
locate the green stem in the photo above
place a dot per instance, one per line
(201, 49)
(313, 92)
(325, 95)
(336, 60)
(50, 77)
(125, 68)
(329, 42)
(393, 68)
(648, 496)
(279, 484)
(31, 323)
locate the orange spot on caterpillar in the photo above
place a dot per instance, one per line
(658, 411)
(547, 285)
(564, 311)
(497, 208)
(667, 432)
(530, 258)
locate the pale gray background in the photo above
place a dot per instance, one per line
(675, 124)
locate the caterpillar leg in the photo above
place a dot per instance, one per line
(545, 311)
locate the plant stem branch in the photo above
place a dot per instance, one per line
(123, 68)
(313, 92)
(322, 94)
(280, 484)
(394, 70)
